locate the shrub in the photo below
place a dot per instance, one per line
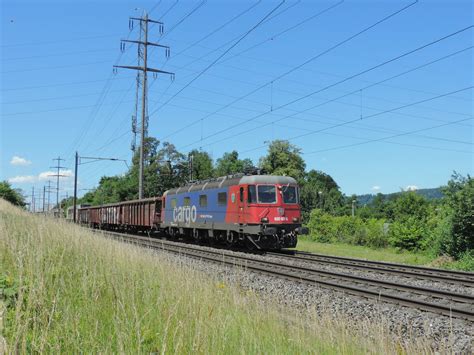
(345, 229)
(409, 234)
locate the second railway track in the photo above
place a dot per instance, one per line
(418, 272)
(443, 302)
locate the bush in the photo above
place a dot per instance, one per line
(345, 229)
(409, 234)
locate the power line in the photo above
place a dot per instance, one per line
(225, 52)
(302, 64)
(237, 38)
(144, 69)
(184, 18)
(60, 84)
(286, 30)
(340, 82)
(93, 114)
(54, 67)
(57, 176)
(375, 115)
(52, 110)
(345, 94)
(54, 98)
(37, 43)
(219, 28)
(390, 137)
(58, 54)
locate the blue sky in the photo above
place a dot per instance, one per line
(59, 94)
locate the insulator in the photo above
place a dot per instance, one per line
(130, 24)
(155, 75)
(172, 77)
(114, 70)
(168, 52)
(162, 28)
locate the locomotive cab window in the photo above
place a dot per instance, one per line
(202, 200)
(241, 194)
(252, 194)
(266, 193)
(289, 194)
(222, 198)
(187, 201)
(173, 203)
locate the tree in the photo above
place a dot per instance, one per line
(202, 165)
(11, 195)
(460, 198)
(319, 190)
(283, 158)
(231, 164)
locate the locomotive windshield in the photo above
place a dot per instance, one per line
(289, 194)
(252, 194)
(266, 193)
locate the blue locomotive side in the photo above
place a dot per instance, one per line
(201, 207)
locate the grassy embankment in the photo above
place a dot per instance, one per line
(382, 254)
(67, 290)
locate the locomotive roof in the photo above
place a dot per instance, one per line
(232, 180)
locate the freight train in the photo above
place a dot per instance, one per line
(256, 211)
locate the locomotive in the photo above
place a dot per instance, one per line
(255, 211)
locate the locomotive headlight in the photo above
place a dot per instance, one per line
(295, 219)
(264, 220)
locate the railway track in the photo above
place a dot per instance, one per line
(447, 303)
(417, 272)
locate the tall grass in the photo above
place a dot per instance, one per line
(67, 290)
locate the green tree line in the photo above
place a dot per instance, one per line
(405, 220)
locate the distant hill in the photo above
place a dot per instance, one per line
(430, 194)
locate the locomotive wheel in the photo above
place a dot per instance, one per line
(230, 239)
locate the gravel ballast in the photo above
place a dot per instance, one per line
(442, 333)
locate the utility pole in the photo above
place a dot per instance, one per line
(49, 193)
(190, 166)
(32, 199)
(58, 175)
(44, 196)
(143, 51)
(76, 168)
(74, 201)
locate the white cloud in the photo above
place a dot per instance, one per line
(411, 188)
(46, 175)
(16, 160)
(376, 188)
(22, 179)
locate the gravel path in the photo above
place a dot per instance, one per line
(404, 324)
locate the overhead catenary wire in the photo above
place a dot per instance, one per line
(384, 80)
(227, 50)
(229, 42)
(392, 136)
(374, 115)
(297, 67)
(178, 23)
(371, 83)
(372, 68)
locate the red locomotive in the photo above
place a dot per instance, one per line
(259, 211)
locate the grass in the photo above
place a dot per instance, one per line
(362, 252)
(65, 290)
(465, 263)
